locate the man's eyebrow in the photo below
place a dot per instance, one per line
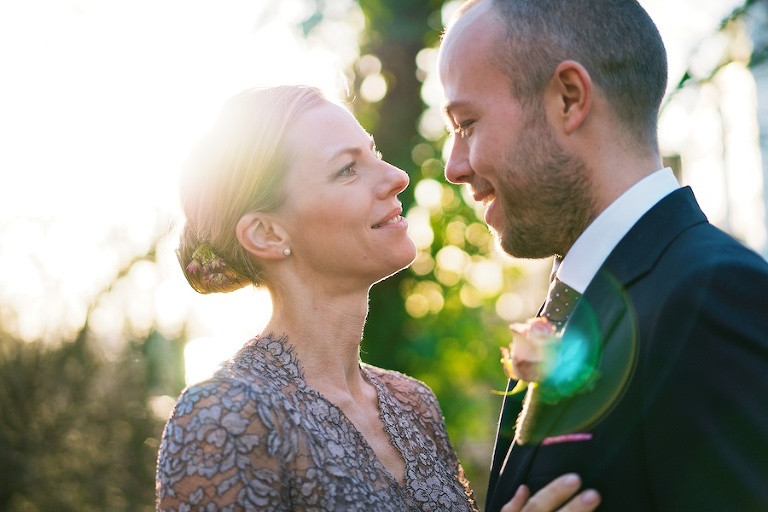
(451, 106)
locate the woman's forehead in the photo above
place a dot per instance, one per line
(326, 130)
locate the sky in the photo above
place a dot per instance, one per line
(99, 103)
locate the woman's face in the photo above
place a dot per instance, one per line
(341, 211)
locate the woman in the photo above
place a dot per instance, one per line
(288, 192)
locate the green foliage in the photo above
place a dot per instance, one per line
(76, 430)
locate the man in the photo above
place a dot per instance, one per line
(554, 105)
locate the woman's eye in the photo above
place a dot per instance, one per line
(349, 170)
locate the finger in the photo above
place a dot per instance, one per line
(554, 494)
(585, 501)
(517, 501)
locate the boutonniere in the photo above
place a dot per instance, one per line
(531, 353)
(560, 362)
(550, 364)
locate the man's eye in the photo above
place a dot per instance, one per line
(462, 130)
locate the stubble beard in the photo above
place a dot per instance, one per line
(545, 196)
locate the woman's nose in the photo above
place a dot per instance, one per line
(396, 181)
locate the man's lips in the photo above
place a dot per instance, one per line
(484, 197)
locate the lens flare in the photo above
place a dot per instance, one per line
(595, 359)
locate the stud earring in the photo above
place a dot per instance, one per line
(287, 251)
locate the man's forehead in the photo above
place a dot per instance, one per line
(466, 52)
(476, 29)
(467, 15)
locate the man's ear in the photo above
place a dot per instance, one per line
(570, 91)
(262, 236)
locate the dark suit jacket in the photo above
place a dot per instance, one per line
(678, 418)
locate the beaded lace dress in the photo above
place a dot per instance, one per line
(257, 437)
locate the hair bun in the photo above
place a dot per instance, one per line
(208, 272)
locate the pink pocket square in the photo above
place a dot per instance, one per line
(567, 438)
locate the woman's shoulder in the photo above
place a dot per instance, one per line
(255, 380)
(263, 366)
(221, 431)
(408, 400)
(402, 386)
(221, 395)
(395, 377)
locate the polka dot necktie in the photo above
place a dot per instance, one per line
(561, 299)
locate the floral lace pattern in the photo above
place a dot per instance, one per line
(257, 437)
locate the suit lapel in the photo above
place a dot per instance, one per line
(601, 317)
(603, 324)
(505, 432)
(604, 318)
(643, 245)
(605, 311)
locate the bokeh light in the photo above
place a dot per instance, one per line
(419, 228)
(428, 193)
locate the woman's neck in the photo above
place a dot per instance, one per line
(326, 332)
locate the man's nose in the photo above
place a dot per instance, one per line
(457, 168)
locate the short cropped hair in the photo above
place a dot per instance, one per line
(615, 40)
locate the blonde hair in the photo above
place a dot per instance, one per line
(238, 167)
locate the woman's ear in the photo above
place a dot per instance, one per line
(571, 93)
(262, 236)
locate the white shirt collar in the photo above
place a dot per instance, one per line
(605, 232)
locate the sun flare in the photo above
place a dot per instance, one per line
(101, 103)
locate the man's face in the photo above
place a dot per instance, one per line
(537, 196)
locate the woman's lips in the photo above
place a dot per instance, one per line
(396, 220)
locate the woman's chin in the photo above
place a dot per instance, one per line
(395, 268)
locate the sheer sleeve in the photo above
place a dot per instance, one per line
(222, 450)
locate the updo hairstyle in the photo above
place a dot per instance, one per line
(238, 167)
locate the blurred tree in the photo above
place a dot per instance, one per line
(79, 430)
(756, 20)
(734, 55)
